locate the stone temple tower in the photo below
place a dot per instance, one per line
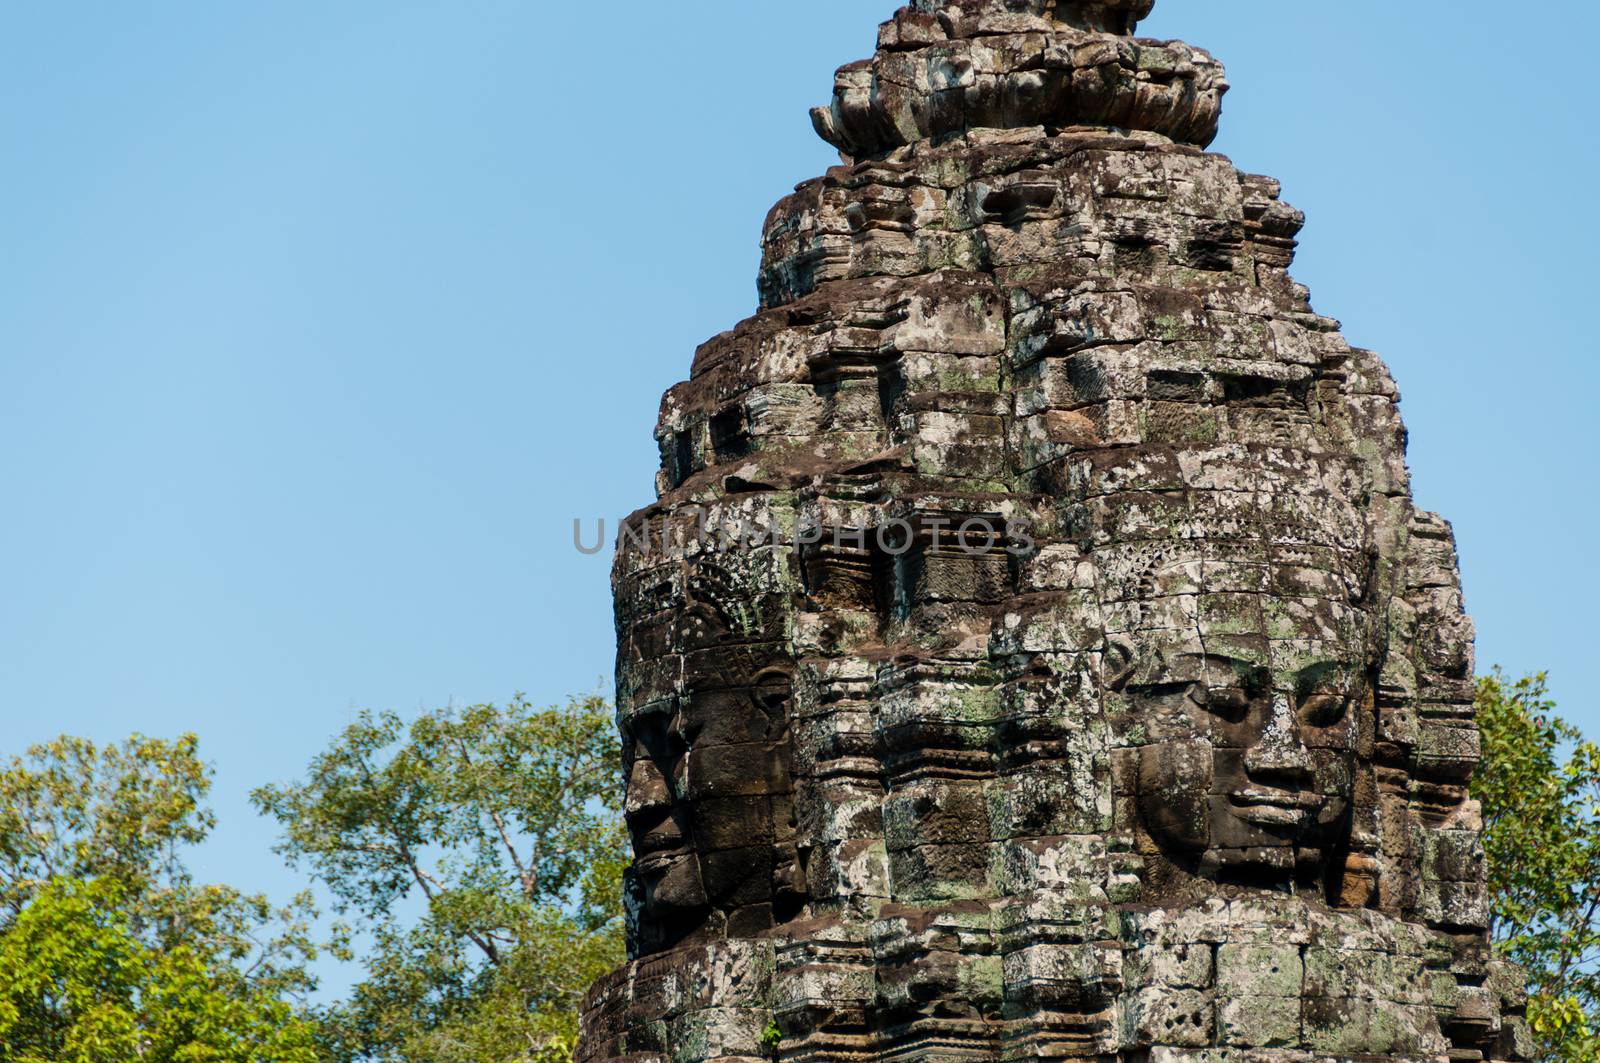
(1034, 651)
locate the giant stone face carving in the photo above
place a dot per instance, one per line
(1034, 650)
(1242, 651)
(709, 785)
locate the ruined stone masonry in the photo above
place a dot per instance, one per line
(1099, 693)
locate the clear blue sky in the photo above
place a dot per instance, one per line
(319, 324)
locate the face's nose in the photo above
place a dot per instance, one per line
(649, 791)
(1279, 756)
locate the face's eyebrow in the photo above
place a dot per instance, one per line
(1197, 666)
(1186, 666)
(1220, 668)
(1323, 672)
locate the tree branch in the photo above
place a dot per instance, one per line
(529, 881)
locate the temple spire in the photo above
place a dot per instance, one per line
(1033, 651)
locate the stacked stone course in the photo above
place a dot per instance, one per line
(1037, 653)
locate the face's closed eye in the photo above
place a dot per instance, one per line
(1230, 704)
(1323, 695)
(1324, 710)
(1233, 688)
(1223, 689)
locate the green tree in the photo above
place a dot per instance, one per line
(483, 849)
(1539, 784)
(109, 952)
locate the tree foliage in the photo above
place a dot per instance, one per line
(499, 829)
(108, 950)
(1539, 784)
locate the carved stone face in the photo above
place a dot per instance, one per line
(660, 820)
(1244, 677)
(1252, 768)
(710, 791)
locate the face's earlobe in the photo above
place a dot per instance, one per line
(1117, 666)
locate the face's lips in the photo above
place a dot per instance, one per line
(659, 859)
(663, 835)
(1275, 808)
